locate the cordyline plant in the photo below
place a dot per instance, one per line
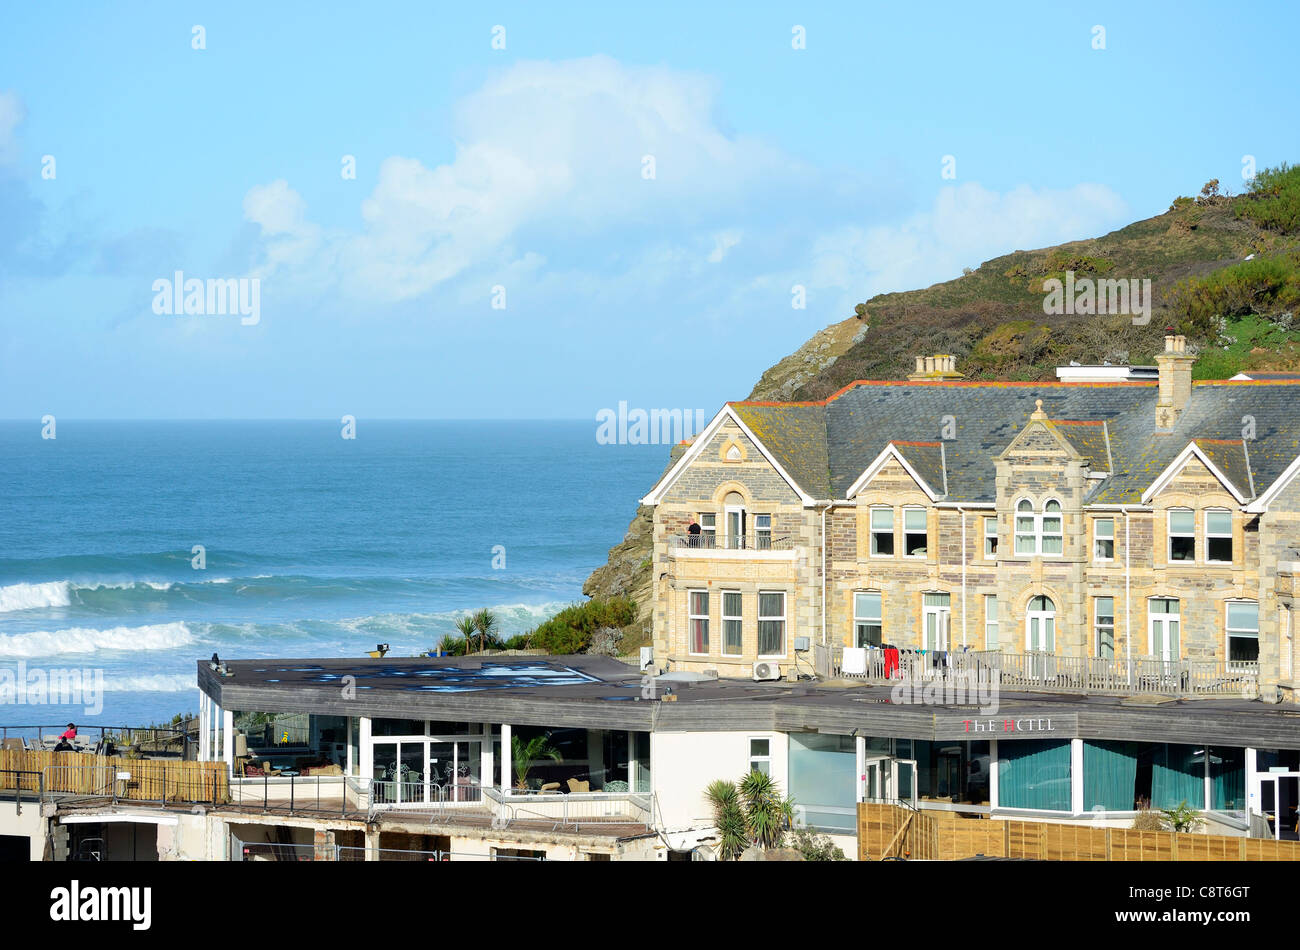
(749, 812)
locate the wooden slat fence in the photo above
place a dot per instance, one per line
(152, 780)
(887, 831)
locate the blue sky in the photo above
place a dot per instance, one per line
(522, 168)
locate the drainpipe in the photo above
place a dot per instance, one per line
(964, 558)
(1128, 599)
(824, 510)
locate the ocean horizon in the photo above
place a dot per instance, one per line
(309, 544)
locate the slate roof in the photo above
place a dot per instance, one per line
(826, 446)
(1232, 458)
(927, 460)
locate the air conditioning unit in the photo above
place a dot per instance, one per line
(766, 671)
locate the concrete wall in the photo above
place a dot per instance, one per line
(683, 764)
(28, 825)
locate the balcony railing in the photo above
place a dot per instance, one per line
(1143, 675)
(756, 541)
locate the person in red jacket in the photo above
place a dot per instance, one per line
(65, 739)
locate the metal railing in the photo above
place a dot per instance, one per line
(570, 809)
(20, 783)
(138, 783)
(755, 541)
(302, 794)
(1143, 675)
(157, 738)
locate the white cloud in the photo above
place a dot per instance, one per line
(556, 144)
(11, 114)
(723, 241)
(966, 225)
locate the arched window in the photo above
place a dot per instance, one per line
(1040, 625)
(1026, 540)
(733, 507)
(1039, 532)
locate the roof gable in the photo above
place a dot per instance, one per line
(922, 461)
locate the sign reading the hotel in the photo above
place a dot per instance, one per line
(1005, 727)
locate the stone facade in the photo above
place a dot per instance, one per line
(1041, 466)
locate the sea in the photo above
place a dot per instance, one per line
(131, 550)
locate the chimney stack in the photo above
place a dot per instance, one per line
(1175, 380)
(939, 367)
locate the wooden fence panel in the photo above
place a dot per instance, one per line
(1074, 843)
(78, 773)
(1025, 840)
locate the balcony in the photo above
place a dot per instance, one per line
(755, 545)
(1048, 672)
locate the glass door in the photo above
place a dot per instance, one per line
(735, 527)
(937, 616)
(902, 780)
(1163, 634)
(411, 767)
(875, 777)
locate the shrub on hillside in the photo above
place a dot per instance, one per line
(572, 629)
(1273, 201)
(1265, 285)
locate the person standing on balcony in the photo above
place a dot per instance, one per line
(694, 532)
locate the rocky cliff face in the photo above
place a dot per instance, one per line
(628, 571)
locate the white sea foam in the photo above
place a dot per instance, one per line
(73, 640)
(32, 596)
(160, 683)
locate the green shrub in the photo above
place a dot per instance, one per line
(570, 630)
(1273, 201)
(815, 847)
(1265, 285)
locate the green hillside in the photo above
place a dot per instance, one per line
(1237, 313)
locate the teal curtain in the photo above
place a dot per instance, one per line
(1227, 779)
(1177, 776)
(1034, 773)
(1110, 775)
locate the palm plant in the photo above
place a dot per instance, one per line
(451, 646)
(1182, 818)
(751, 811)
(466, 628)
(524, 753)
(767, 813)
(485, 622)
(728, 818)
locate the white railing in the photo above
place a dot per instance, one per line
(1047, 671)
(755, 541)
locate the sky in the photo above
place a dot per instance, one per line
(555, 208)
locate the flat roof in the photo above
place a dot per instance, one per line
(582, 691)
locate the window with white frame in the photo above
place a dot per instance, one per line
(732, 622)
(914, 533)
(1103, 539)
(1026, 533)
(760, 756)
(991, 537)
(990, 621)
(882, 532)
(708, 528)
(763, 532)
(1052, 534)
(1243, 631)
(867, 627)
(1218, 536)
(698, 620)
(1103, 626)
(1039, 532)
(771, 623)
(1182, 534)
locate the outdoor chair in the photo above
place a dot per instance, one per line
(576, 787)
(15, 745)
(550, 787)
(267, 770)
